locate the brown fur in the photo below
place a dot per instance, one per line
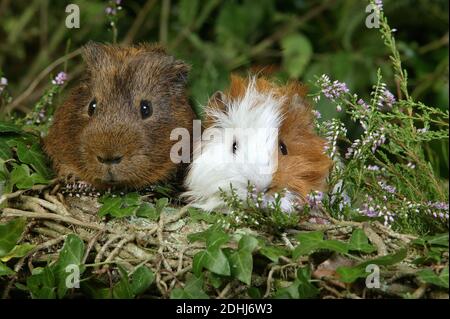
(305, 167)
(119, 78)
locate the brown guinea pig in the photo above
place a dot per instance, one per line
(263, 134)
(114, 128)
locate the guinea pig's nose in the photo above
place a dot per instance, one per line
(110, 160)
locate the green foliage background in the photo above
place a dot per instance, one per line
(288, 39)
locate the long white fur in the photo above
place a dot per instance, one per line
(215, 166)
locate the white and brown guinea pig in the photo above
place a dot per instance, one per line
(260, 133)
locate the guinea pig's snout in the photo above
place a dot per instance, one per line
(109, 160)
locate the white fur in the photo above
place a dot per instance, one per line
(215, 166)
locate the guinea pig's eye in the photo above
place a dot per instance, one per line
(283, 148)
(234, 147)
(146, 109)
(92, 107)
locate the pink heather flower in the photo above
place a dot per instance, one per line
(333, 90)
(363, 104)
(373, 168)
(60, 78)
(388, 188)
(314, 199)
(110, 11)
(317, 114)
(379, 4)
(388, 98)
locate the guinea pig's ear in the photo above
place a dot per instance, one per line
(181, 71)
(95, 54)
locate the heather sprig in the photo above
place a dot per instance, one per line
(112, 14)
(384, 170)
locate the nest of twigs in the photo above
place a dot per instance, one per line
(163, 246)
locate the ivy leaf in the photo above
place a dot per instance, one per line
(5, 150)
(313, 241)
(273, 252)
(248, 243)
(429, 276)
(215, 261)
(18, 251)
(9, 235)
(193, 289)
(161, 204)
(300, 288)
(131, 199)
(5, 271)
(142, 279)
(360, 242)
(23, 179)
(34, 156)
(110, 205)
(147, 210)
(217, 239)
(241, 263)
(198, 214)
(71, 255)
(123, 290)
(350, 274)
(306, 289)
(42, 283)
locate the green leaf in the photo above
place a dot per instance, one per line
(42, 283)
(18, 251)
(212, 259)
(161, 204)
(350, 274)
(142, 279)
(110, 205)
(123, 290)
(273, 252)
(306, 289)
(360, 242)
(215, 280)
(6, 127)
(217, 239)
(9, 235)
(22, 179)
(193, 289)
(312, 241)
(71, 255)
(147, 210)
(198, 214)
(300, 288)
(5, 150)
(5, 271)
(131, 199)
(34, 156)
(297, 52)
(429, 276)
(123, 211)
(248, 243)
(241, 263)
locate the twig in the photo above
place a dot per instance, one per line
(12, 212)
